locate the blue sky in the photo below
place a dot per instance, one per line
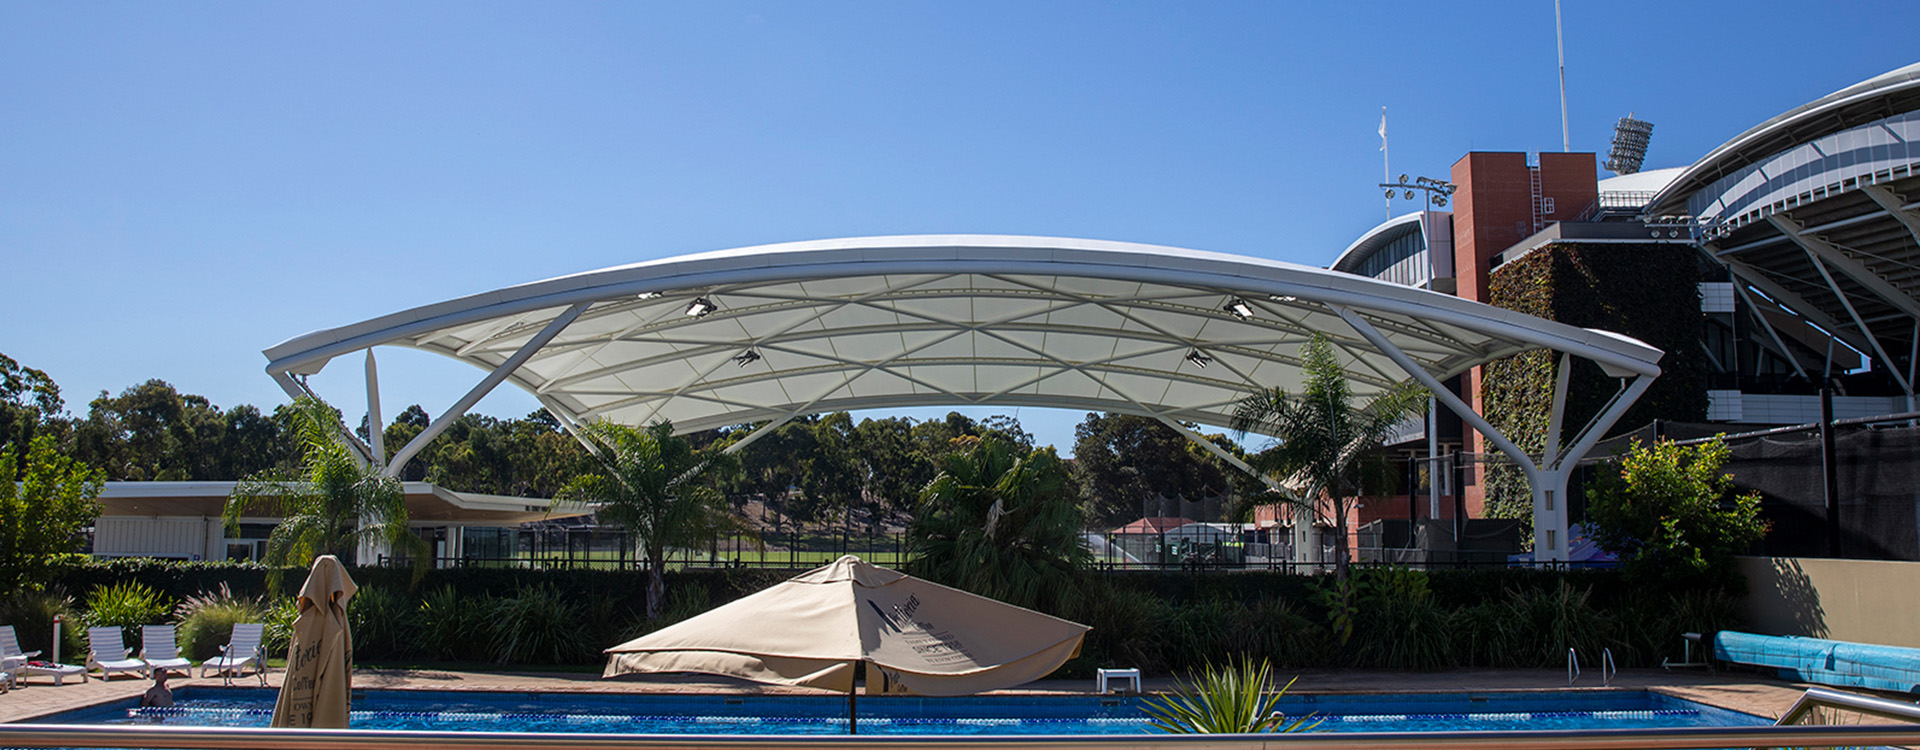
(185, 184)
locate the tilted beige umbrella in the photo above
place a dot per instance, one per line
(319, 680)
(812, 629)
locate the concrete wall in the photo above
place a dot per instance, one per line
(1866, 601)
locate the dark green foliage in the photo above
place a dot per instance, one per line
(457, 627)
(126, 605)
(1003, 522)
(385, 623)
(1401, 625)
(1649, 292)
(1123, 460)
(539, 625)
(1129, 629)
(1274, 630)
(31, 613)
(1671, 516)
(1162, 623)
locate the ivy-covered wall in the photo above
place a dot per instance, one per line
(1650, 292)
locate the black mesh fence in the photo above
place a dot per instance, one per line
(1878, 474)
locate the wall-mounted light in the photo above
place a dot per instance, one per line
(746, 358)
(1239, 308)
(700, 307)
(1198, 359)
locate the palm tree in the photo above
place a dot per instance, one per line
(1001, 522)
(649, 484)
(1320, 437)
(331, 504)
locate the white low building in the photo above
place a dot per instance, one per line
(182, 521)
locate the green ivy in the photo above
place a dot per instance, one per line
(1649, 292)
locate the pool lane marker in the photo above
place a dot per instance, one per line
(485, 716)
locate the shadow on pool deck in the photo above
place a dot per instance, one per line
(1749, 693)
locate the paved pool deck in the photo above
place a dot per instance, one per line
(1745, 692)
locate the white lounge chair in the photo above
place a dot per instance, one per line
(12, 659)
(108, 653)
(241, 651)
(160, 649)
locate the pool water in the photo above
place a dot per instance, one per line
(601, 713)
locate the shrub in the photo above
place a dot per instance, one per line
(1129, 629)
(539, 625)
(384, 623)
(31, 614)
(455, 627)
(277, 636)
(1668, 514)
(126, 605)
(1271, 630)
(206, 620)
(1548, 622)
(1401, 626)
(1236, 698)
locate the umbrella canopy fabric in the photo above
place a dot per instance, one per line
(812, 629)
(319, 680)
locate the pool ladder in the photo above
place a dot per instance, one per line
(1607, 669)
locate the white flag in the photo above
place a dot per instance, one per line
(1383, 128)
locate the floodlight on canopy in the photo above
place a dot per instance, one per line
(964, 320)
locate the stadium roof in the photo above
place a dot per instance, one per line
(1816, 210)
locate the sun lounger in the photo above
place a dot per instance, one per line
(109, 653)
(160, 649)
(59, 672)
(11, 657)
(242, 651)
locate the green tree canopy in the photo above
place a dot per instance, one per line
(657, 487)
(1002, 522)
(1122, 460)
(42, 514)
(1671, 516)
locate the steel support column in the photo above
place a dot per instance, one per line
(486, 386)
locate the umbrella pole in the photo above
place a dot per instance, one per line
(853, 721)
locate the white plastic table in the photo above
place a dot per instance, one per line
(1130, 675)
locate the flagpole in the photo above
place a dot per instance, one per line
(1386, 170)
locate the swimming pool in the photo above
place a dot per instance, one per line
(601, 713)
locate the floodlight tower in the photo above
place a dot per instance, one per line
(1630, 139)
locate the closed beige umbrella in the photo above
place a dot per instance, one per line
(319, 681)
(811, 630)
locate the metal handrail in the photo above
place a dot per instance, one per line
(1607, 669)
(236, 738)
(1573, 667)
(1824, 698)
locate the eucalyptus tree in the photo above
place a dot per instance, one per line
(658, 488)
(1003, 522)
(1322, 441)
(331, 504)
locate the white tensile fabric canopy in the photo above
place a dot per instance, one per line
(812, 629)
(767, 334)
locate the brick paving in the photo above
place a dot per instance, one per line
(1748, 693)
